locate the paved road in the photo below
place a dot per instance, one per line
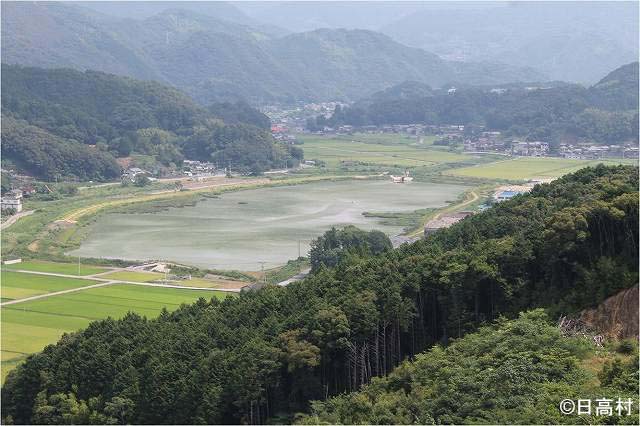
(295, 278)
(55, 293)
(13, 219)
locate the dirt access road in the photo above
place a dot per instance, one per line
(13, 219)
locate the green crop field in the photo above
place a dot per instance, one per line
(55, 267)
(18, 285)
(141, 277)
(398, 151)
(28, 327)
(526, 168)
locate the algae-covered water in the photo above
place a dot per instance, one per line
(241, 229)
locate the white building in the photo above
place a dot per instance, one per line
(10, 202)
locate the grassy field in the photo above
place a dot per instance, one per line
(16, 285)
(386, 150)
(28, 327)
(141, 277)
(55, 267)
(526, 168)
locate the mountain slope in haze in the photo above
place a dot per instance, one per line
(568, 41)
(214, 59)
(145, 9)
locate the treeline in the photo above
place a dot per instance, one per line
(604, 113)
(262, 357)
(119, 116)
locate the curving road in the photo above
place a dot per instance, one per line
(13, 219)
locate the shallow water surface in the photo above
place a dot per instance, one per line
(241, 229)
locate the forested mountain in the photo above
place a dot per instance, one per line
(215, 9)
(567, 41)
(605, 113)
(216, 59)
(263, 356)
(119, 116)
(513, 373)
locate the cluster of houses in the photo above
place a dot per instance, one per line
(530, 149)
(132, 172)
(282, 133)
(494, 142)
(199, 168)
(595, 152)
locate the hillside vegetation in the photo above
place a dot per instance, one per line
(265, 355)
(605, 113)
(515, 372)
(215, 59)
(49, 114)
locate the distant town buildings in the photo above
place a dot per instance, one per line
(594, 152)
(198, 168)
(530, 149)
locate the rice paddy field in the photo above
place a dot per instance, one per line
(17, 285)
(58, 268)
(387, 150)
(528, 167)
(29, 326)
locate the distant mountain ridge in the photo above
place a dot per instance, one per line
(216, 59)
(569, 41)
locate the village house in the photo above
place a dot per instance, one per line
(12, 200)
(132, 172)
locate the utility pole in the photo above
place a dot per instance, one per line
(298, 249)
(264, 277)
(78, 265)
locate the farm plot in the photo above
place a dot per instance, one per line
(333, 151)
(55, 267)
(527, 168)
(17, 285)
(28, 327)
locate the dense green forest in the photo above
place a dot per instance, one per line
(51, 157)
(605, 113)
(515, 372)
(119, 116)
(263, 356)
